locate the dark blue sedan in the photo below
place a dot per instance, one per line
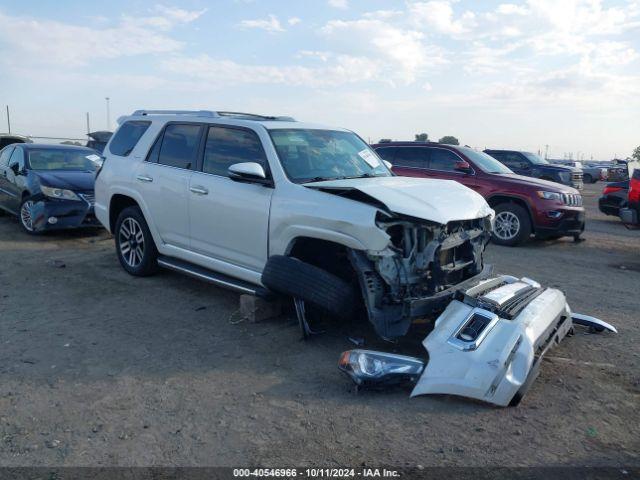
(49, 187)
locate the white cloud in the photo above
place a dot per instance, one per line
(342, 4)
(343, 69)
(512, 9)
(179, 15)
(271, 24)
(439, 15)
(294, 20)
(403, 49)
(34, 41)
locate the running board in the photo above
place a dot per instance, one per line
(210, 276)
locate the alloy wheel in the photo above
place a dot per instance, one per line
(131, 239)
(506, 226)
(26, 215)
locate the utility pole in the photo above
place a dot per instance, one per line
(108, 114)
(8, 120)
(88, 125)
(546, 152)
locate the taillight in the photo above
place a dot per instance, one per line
(610, 189)
(634, 190)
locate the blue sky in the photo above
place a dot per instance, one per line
(563, 73)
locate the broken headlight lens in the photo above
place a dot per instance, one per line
(369, 368)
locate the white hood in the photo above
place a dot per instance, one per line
(439, 201)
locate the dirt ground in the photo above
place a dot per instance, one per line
(99, 368)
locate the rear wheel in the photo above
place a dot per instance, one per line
(135, 247)
(587, 178)
(512, 225)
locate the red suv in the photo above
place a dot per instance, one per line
(523, 205)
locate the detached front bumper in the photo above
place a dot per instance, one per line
(494, 360)
(488, 343)
(49, 214)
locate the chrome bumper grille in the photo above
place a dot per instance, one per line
(577, 180)
(572, 199)
(90, 198)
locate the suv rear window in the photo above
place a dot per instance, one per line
(127, 137)
(180, 145)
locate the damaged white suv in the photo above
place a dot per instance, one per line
(268, 204)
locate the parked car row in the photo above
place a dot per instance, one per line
(523, 205)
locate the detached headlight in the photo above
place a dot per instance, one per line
(59, 193)
(369, 368)
(550, 195)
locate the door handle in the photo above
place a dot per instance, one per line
(199, 190)
(144, 178)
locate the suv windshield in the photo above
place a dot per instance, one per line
(314, 155)
(484, 162)
(535, 159)
(64, 159)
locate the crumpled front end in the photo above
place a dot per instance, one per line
(420, 270)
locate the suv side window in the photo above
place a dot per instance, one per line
(511, 160)
(4, 156)
(226, 146)
(443, 160)
(127, 137)
(411, 157)
(180, 145)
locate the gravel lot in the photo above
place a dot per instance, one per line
(100, 368)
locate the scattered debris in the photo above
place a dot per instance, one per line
(56, 263)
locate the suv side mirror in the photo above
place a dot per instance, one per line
(248, 172)
(463, 167)
(525, 166)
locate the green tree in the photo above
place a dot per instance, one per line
(422, 137)
(449, 140)
(636, 154)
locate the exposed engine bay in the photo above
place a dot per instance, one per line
(420, 270)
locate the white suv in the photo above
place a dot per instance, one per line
(267, 204)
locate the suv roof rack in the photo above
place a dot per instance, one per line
(212, 114)
(197, 113)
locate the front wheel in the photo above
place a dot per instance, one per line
(27, 216)
(512, 225)
(135, 247)
(587, 178)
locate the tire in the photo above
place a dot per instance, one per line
(290, 276)
(25, 216)
(135, 247)
(512, 225)
(587, 178)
